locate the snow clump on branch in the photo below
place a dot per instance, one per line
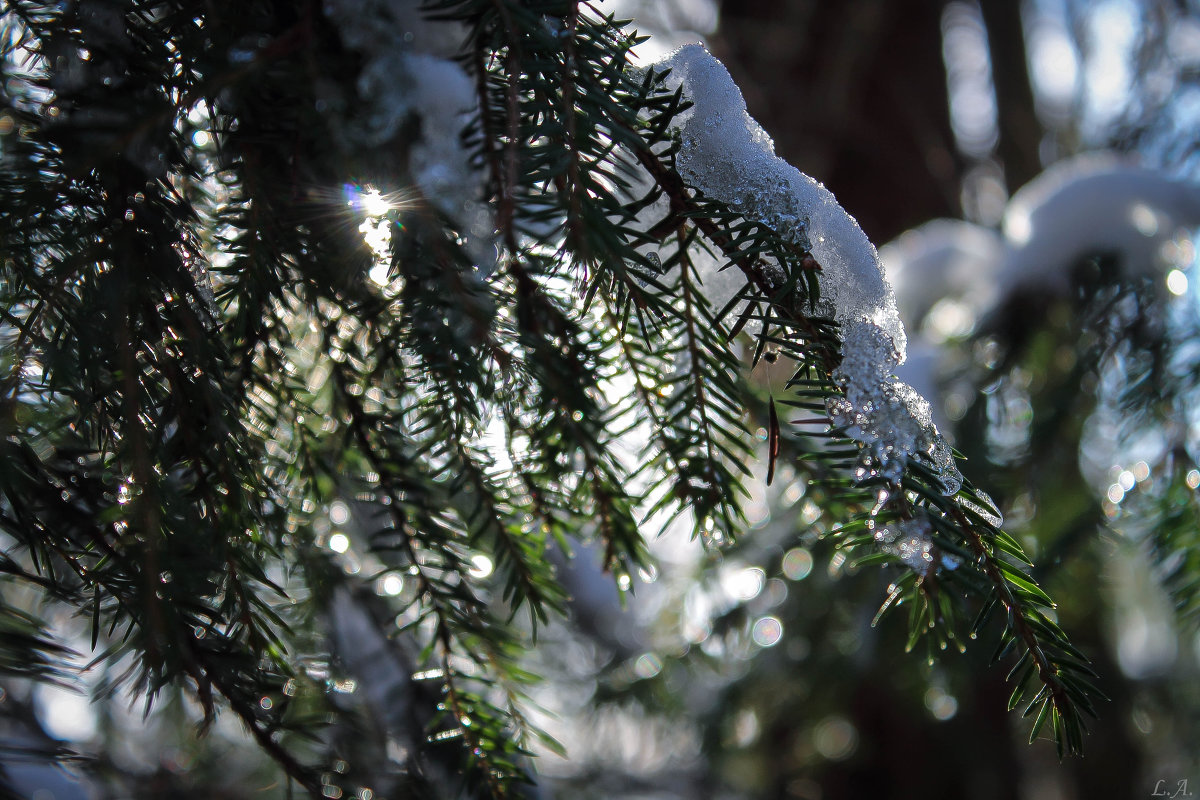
(728, 156)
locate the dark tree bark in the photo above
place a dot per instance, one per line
(1020, 131)
(854, 93)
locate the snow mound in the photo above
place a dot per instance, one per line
(728, 156)
(1091, 205)
(943, 259)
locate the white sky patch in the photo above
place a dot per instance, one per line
(495, 441)
(66, 714)
(670, 23)
(973, 114)
(1054, 61)
(1113, 28)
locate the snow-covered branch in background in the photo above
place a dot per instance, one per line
(949, 274)
(1095, 204)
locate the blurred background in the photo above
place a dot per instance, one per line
(1028, 170)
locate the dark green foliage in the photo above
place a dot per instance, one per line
(197, 368)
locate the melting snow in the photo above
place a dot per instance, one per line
(910, 540)
(730, 158)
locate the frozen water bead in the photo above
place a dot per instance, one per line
(911, 540)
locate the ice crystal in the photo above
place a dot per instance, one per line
(986, 511)
(911, 541)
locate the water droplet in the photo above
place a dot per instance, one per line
(442, 736)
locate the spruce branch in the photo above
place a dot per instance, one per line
(1060, 697)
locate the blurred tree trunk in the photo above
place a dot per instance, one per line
(854, 94)
(1020, 131)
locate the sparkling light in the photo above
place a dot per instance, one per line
(392, 585)
(743, 584)
(482, 566)
(1144, 219)
(941, 705)
(339, 543)
(835, 738)
(374, 204)
(647, 665)
(376, 227)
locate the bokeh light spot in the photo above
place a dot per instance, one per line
(797, 564)
(767, 632)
